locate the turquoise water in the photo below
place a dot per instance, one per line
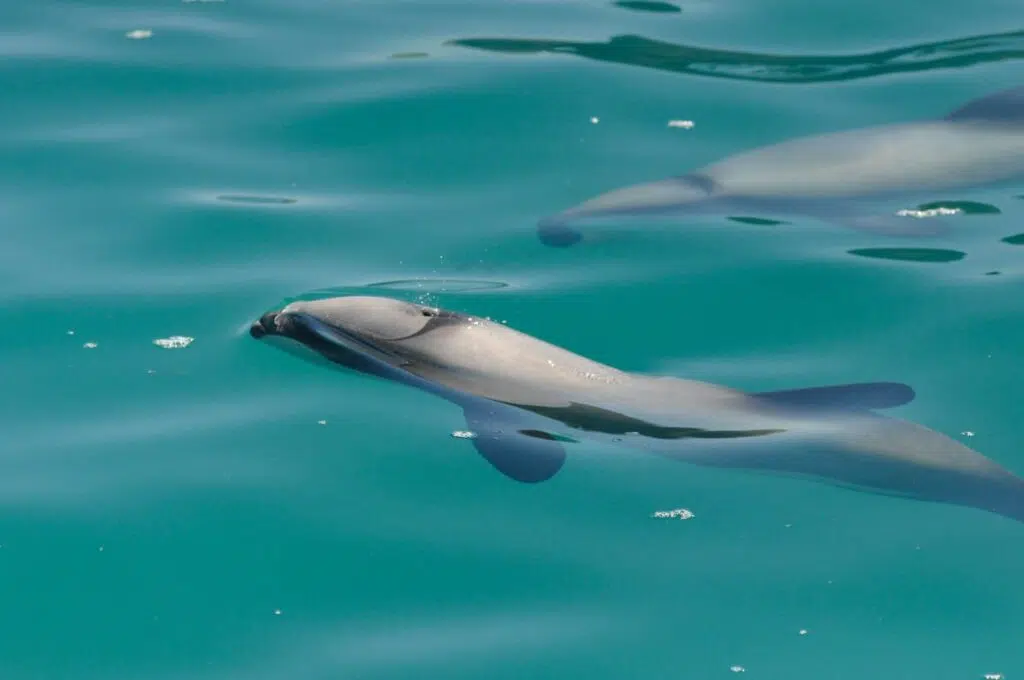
(223, 510)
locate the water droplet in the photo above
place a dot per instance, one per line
(174, 342)
(678, 513)
(929, 212)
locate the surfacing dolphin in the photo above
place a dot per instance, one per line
(828, 177)
(525, 400)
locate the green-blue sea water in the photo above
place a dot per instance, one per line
(224, 510)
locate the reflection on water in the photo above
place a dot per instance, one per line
(963, 207)
(641, 6)
(760, 221)
(439, 285)
(257, 200)
(910, 254)
(637, 51)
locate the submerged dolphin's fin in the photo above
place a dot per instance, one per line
(1005, 106)
(857, 396)
(525, 455)
(555, 231)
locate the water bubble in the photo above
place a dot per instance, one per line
(678, 513)
(174, 342)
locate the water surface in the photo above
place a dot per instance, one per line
(224, 511)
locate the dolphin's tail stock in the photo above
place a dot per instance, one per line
(1005, 499)
(891, 455)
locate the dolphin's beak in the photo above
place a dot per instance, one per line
(265, 325)
(663, 196)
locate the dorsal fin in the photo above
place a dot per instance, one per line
(853, 397)
(1005, 106)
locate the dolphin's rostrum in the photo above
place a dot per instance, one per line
(526, 400)
(829, 177)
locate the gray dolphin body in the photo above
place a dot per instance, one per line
(828, 177)
(526, 401)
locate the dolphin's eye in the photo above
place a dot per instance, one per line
(428, 312)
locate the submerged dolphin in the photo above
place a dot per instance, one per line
(526, 400)
(823, 176)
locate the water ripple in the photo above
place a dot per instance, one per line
(631, 50)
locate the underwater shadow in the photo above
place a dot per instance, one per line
(634, 50)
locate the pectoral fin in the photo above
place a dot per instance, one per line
(858, 396)
(518, 451)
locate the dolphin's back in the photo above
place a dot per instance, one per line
(883, 455)
(882, 160)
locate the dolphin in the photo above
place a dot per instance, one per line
(827, 177)
(526, 401)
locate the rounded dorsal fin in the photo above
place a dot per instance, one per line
(1005, 106)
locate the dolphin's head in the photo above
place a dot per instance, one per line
(364, 332)
(392, 338)
(665, 196)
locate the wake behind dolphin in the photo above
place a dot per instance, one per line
(829, 177)
(526, 401)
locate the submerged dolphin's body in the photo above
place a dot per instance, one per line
(525, 400)
(829, 176)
